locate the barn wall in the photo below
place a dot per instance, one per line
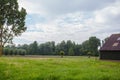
(112, 55)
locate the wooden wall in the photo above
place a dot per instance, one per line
(110, 55)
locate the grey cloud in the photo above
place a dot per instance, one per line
(68, 6)
(113, 20)
(107, 30)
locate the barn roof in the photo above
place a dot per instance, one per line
(112, 44)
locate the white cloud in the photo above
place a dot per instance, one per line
(32, 7)
(62, 6)
(108, 14)
(67, 27)
(76, 20)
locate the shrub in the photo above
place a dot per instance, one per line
(62, 53)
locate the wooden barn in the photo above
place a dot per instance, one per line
(111, 49)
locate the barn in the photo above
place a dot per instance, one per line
(111, 49)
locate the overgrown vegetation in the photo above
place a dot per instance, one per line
(67, 68)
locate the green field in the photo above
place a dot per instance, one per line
(55, 68)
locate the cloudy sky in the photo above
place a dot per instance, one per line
(76, 20)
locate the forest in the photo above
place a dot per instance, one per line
(70, 48)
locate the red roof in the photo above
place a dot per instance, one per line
(112, 44)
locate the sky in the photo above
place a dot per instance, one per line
(76, 20)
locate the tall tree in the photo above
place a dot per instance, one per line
(90, 46)
(33, 48)
(62, 46)
(85, 47)
(12, 21)
(77, 49)
(94, 43)
(69, 44)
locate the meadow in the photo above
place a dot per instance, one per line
(56, 68)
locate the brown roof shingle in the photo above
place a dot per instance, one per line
(112, 44)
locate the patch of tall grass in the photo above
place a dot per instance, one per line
(67, 68)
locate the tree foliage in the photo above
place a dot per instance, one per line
(94, 43)
(12, 51)
(71, 52)
(68, 47)
(12, 21)
(91, 45)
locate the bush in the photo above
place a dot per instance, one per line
(62, 53)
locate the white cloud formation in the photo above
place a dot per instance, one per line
(62, 6)
(108, 14)
(32, 7)
(75, 20)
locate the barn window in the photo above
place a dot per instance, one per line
(118, 39)
(115, 44)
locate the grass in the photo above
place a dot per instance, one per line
(55, 68)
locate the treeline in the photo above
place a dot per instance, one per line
(88, 47)
(12, 51)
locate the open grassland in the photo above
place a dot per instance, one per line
(55, 68)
